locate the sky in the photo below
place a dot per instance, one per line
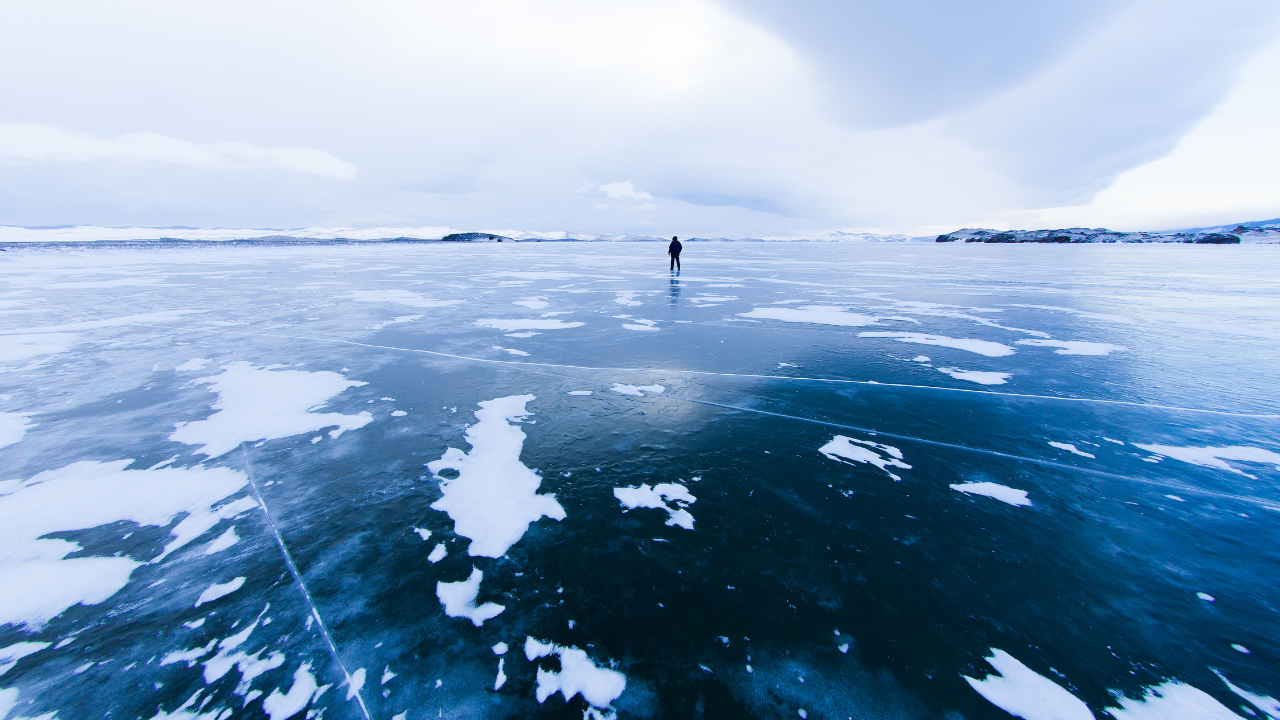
(731, 118)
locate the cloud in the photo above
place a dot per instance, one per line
(31, 142)
(624, 190)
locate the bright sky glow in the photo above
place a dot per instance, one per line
(730, 117)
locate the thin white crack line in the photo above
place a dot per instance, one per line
(870, 383)
(297, 577)
(1191, 490)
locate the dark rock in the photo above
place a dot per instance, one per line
(476, 237)
(946, 238)
(1217, 239)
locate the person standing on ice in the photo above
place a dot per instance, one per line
(674, 251)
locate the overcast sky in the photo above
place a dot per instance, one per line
(691, 117)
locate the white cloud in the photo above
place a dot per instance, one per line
(624, 190)
(32, 142)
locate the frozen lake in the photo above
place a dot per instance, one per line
(405, 481)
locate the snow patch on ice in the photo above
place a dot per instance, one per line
(495, 496)
(981, 377)
(533, 303)
(501, 678)
(511, 351)
(1215, 457)
(355, 684)
(38, 584)
(25, 347)
(260, 404)
(395, 321)
(437, 553)
(816, 314)
(424, 534)
(398, 413)
(459, 599)
(841, 449)
(578, 675)
(9, 656)
(579, 392)
(499, 649)
(672, 497)
(526, 324)
(1075, 347)
(1172, 700)
(1069, 447)
(994, 490)
(218, 590)
(13, 427)
(304, 688)
(637, 390)
(224, 541)
(1265, 703)
(400, 297)
(192, 365)
(981, 347)
(1024, 693)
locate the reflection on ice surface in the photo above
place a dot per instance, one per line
(1079, 519)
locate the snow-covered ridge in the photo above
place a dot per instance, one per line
(1267, 231)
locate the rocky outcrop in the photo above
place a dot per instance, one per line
(476, 237)
(1086, 235)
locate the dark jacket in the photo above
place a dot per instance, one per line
(674, 248)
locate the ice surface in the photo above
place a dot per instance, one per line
(218, 590)
(842, 449)
(38, 582)
(261, 404)
(192, 365)
(527, 324)
(401, 297)
(672, 497)
(459, 599)
(25, 347)
(1022, 692)
(578, 675)
(495, 497)
(1172, 700)
(1002, 493)
(1215, 457)
(1076, 347)
(981, 347)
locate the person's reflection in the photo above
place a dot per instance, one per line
(675, 289)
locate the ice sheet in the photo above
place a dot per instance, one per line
(1216, 457)
(1076, 347)
(24, 347)
(255, 403)
(495, 497)
(527, 324)
(401, 297)
(816, 314)
(9, 656)
(459, 599)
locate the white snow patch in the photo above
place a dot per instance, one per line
(495, 497)
(13, 427)
(658, 497)
(637, 390)
(282, 707)
(1081, 313)
(526, 324)
(1021, 692)
(1214, 457)
(509, 350)
(8, 699)
(437, 553)
(1075, 347)
(533, 303)
(499, 649)
(143, 318)
(1172, 700)
(841, 449)
(578, 675)
(398, 413)
(387, 675)
(816, 314)
(1072, 449)
(355, 684)
(981, 347)
(400, 297)
(994, 490)
(501, 678)
(395, 321)
(9, 656)
(37, 584)
(1206, 597)
(260, 404)
(579, 392)
(192, 365)
(459, 599)
(218, 590)
(224, 541)
(982, 377)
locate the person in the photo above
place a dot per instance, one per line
(674, 251)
